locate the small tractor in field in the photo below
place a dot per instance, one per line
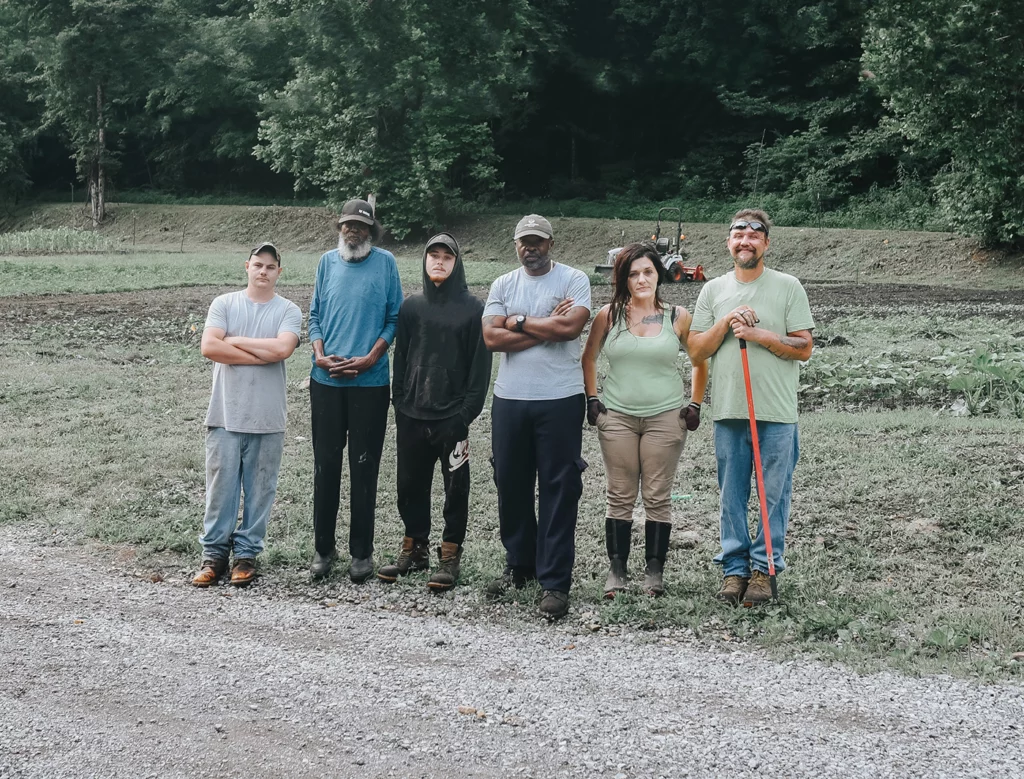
(669, 249)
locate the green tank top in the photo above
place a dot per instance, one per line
(643, 378)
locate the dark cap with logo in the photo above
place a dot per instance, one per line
(361, 211)
(444, 239)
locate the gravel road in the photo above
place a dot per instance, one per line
(106, 673)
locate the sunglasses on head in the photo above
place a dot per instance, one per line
(743, 224)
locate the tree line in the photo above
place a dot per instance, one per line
(438, 106)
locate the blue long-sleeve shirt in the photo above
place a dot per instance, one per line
(354, 304)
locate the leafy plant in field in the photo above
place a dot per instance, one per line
(945, 639)
(989, 379)
(992, 380)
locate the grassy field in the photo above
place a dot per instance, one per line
(904, 548)
(89, 273)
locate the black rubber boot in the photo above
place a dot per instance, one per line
(656, 536)
(617, 537)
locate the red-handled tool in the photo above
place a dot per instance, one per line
(765, 526)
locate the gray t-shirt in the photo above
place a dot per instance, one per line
(550, 370)
(250, 398)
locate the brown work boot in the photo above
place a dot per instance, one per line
(415, 556)
(447, 573)
(243, 572)
(759, 591)
(210, 572)
(732, 590)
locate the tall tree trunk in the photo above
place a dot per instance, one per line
(97, 179)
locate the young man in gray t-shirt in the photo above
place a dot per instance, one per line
(248, 335)
(533, 318)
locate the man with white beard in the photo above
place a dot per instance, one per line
(352, 322)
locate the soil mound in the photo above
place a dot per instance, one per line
(858, 256)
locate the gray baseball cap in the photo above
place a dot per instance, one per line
(533, 224)
(268, 247)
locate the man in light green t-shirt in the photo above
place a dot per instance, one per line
(768, 310)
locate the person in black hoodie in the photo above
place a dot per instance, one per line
(441, 374)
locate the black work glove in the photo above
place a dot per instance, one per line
(594, 409)
(452, 430)
(691, 416)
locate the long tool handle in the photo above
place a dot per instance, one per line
(759, 473)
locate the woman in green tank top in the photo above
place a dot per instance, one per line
(643, 419)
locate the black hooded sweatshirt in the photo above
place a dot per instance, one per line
(441, 366)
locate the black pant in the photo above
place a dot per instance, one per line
(539, 442)
(360, 416)
(420, 446)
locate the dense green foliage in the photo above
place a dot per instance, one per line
(905, 112)
(954, 74)
(396, 99)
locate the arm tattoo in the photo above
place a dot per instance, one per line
(793, 342)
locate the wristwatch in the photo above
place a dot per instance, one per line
(520, 321)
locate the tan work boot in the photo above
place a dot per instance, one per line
(447, 573)
(732, 590)
(759, 590)
(243, 572)
(415, 556)
(210, 572)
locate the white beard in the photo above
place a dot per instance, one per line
(354, 253)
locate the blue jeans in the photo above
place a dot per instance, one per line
(237, 463)
(780, 448)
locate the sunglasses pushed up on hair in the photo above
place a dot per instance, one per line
(743, 224)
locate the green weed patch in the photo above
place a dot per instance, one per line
(59, 240)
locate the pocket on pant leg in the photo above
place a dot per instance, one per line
(576, 477)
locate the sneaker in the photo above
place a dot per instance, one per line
(654, 578)
(447, 573)
(361, 569)
(759, 591)
(512, 577)
(210, 572)
(616, 581)
(554, 604)
(415, 556)
(243, 572)
(732, 590)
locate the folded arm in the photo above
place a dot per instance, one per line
(266, 349)
(214, 347)
(558, 327)
(500, 339)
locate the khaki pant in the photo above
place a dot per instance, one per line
(641, 452)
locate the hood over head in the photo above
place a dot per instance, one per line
(456, 281)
